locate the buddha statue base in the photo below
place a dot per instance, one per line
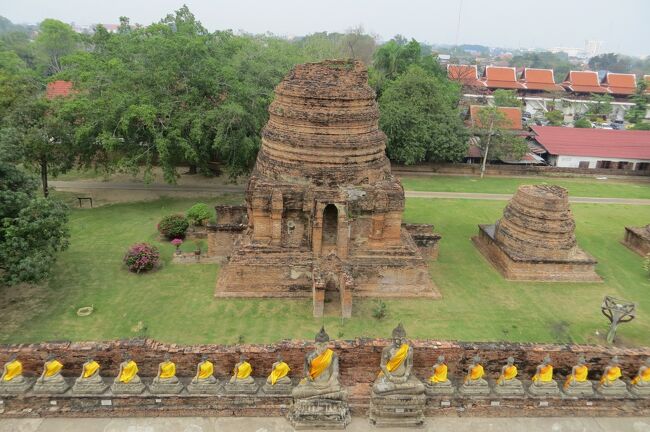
(512, 387)
(89, 386)
(439, 388)
(279, 388)
(16, 386)
(397, 410)
(385, 387)
(132, 387)
(476, 388)
(640, 391)
(241, 387)
(319, 413)
(579, 389)
(55, 386)
(207, 386)
(544, 390)
(165, 387)
(613, 389)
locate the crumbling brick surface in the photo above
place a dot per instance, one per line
(638, 239)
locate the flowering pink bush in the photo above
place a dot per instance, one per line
(177, 242)
(141, 257)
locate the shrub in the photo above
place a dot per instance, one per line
(582, 123)
(173, 226)
(198, 213)
(142, 257)
(380, 310)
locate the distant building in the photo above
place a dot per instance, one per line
(539, 80)
(583, 82)
(594, 148)
(467, 75)
(501, 78)
(444, 58)
(512, 115)
(620, 84)
(58, 88)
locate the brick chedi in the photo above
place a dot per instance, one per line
(535, 238)
(324, 212)
(638, 239)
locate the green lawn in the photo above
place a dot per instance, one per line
(175, 303)
(584, 187)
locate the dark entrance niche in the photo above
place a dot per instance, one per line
(330, 225)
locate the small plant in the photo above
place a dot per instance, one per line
(240, 339)
(646, 264)
(197, 247)
(198, 214)
(380, 310)
(142, 257)
(177, 242)
(173, 226)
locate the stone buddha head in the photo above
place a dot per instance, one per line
(51, 356)
(546, 360)
(321, 340)
(12, 357)
(399, 335)
(441, 359)
(476, 360)
(582, 360)
(510, 361)
(166, 357)
(126, 357)
(279, 358)
(89, 359)
(243, 358)
(204, 358)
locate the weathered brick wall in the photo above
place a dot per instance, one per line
(637, 239)
(359, 359)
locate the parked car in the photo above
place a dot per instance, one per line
(617, 126)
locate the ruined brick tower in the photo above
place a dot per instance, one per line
(324, 212)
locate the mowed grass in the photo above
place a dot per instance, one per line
(175, 303)
(583, 187)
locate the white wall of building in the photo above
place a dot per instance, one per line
(574, 161)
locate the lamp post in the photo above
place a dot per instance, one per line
(617, 311)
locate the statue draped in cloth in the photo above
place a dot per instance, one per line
(396, 364)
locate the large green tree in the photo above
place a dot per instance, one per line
(419, 114)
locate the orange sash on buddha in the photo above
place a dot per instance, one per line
(612, 375)
(320, 363)
(644, 376)
(439, 374)
(397, 359)
(545, 374)
(508, 374)
(475, 373)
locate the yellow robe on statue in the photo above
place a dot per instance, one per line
(580, 376)
(14, 369)
(320, 363)
(52, 368)
(206, 369)
(167, 370)
(244, 370)
(508, 374)
(645, 377)
(280, 371)
(90, 369)
(475, 373)
(439, 374)
(397, 359)
(128, 372)
(544, 375)
(613, 374)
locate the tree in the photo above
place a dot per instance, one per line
(359, 45)
(419, 114)
(582, 123)
(554, 117)
(54, 41)
(611, 62)
(601, 108)
(637, 113)
(506, 98)
(32, 230)
(494, 139)
(558, 62)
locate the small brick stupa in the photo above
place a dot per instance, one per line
(638, 239)
(535, 239)
(323, 211)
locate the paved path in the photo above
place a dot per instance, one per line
(274, 424)
(157, 187)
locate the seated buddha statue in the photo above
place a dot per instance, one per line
(474, 383)
(610, 383)
(204, 382)
(242, 380)
(543, 383)
(438, 383)
(640, 384)
(507, 384)
(577, 383)
(90, 381)
(51, 380)
(166, 381)
(127, 380)
(278, 380)
(396, 364)
(12, 380)
(321, 373)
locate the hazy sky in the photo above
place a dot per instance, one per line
(622, 25)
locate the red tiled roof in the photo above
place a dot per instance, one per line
(583, 82)
(58, 88)
(618, 83)
(606, 143)
(465, 74)
(539, 79)
(501, 77)
(513, 116)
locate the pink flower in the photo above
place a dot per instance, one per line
(177, 242)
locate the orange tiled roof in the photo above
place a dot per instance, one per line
(501, 77)
(539, 79)
(583, 82)
(513, 116)
(465, 74)
(58, 88)
(618, 83)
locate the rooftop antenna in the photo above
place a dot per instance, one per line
(460, 9)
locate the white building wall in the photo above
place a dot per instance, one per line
(574, 161)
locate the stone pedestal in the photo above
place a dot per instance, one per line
(241, 388)
(133, 387)
(438, 389)
(617, 389)
(545, 390)
(640, 391)
(16, 386)
(397, 410)
(513, 388)
(203, 387)
(317, 413)
(279, 388)
(89, 386)
(579, 389)
(165, 387)
(480, 388)
(56, 386)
